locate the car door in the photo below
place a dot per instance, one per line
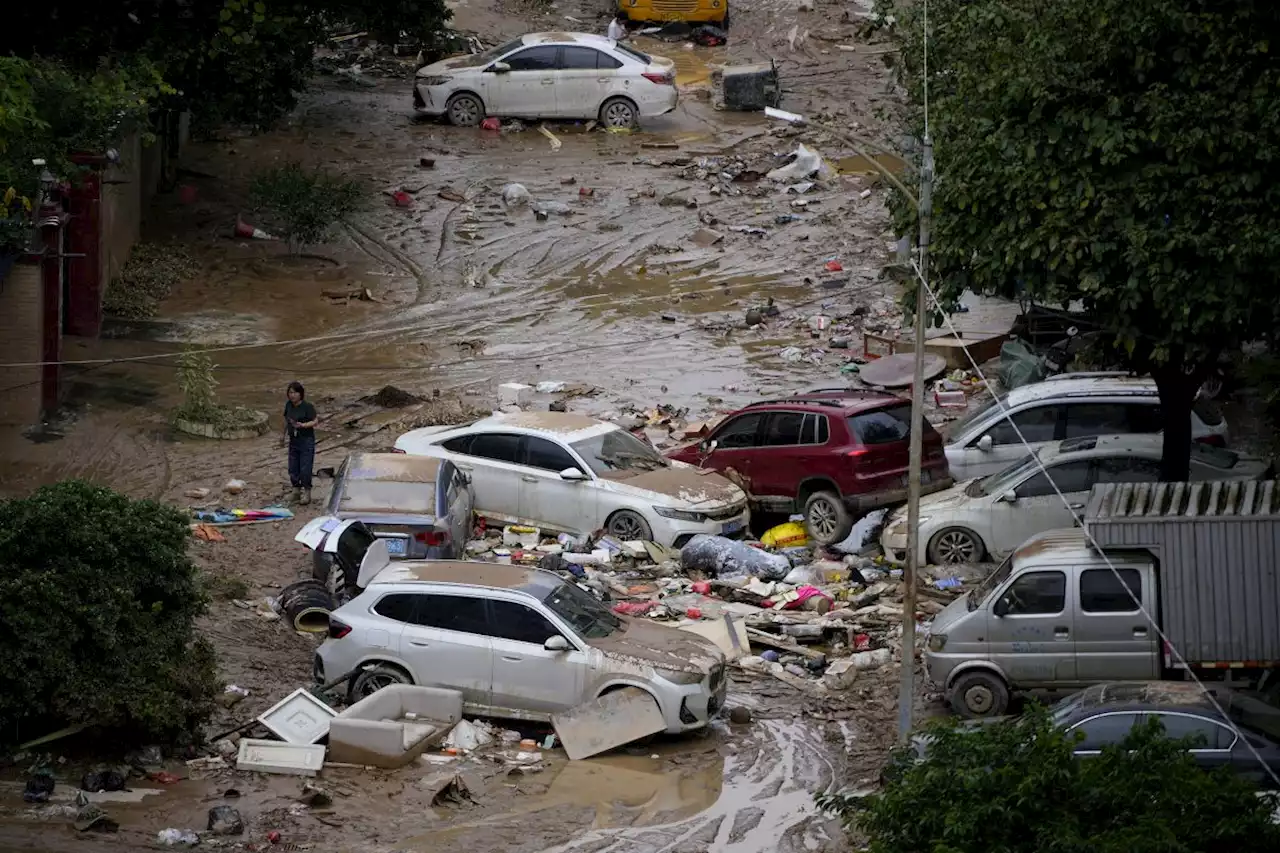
(586, 77)
(1039, 424)
(527, 677)
(1036, 507)
(458, 503)
(447, 645)
(1030, 639)
(1212, 742)
(548, 500)
(785, 448)
(737, 440)
(1114, 640)
(492, 460)
(528, 90)
(1105, 729)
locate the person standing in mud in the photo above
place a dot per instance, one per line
(300, 437)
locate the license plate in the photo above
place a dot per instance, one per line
(395, 547)
(731, 527)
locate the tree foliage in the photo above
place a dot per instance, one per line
(303, 204)
(98, 600)
(1125, 153)
(1016, 787)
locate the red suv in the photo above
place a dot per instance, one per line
(834, 454)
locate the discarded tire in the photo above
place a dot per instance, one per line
(306, 604)
(224, 820)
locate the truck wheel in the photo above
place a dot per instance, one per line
(826, 518)
(955, 545)
(979, 694)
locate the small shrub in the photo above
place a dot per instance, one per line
(199, 397)
(148, 277)
(303, 205)
(98, 601)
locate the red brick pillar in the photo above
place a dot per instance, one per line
(85, 287)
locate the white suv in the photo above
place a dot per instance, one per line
(518, 643)
(1062, 407)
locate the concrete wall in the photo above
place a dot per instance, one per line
(123, 195)
(21, 340)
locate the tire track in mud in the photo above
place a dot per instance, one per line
(766, 806)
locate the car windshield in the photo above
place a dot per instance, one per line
(381, 496)
(491, 55)
(983, 590)
(589, 618)
(618, 450)
(1061, 710)
(976, 417)
(1002, 481)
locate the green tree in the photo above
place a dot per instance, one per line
(1016, 787)
(98, 601)
(303, 204)
(1125, 153)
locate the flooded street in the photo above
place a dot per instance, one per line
(638, 294)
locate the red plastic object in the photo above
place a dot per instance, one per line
(187, 194)
(491, 124)
(834, 266)
(693, 613)
(634, 608)
(274, 836)
(403, 199)
(702, 587)
(862, 643)
(164, 778)
(586, 191)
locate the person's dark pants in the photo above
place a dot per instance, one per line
(302, 456)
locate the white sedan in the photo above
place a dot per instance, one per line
(992, 516)
(549, 75)
(571, 473)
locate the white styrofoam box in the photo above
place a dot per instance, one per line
(514, 394)
(298, 718)
(274, 756)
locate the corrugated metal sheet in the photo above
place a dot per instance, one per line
(1216, 544)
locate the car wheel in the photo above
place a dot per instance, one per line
(953, 546)
(330, 572)
(620, 113)
(465, 111)
(370, 681)
(979, 694)
(826, 518)
(628, 526)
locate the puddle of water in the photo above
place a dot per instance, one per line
(860, 165)
(693, 66)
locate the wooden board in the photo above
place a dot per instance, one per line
(894, 371)
(611, 721)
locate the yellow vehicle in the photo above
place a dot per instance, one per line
(662, 11)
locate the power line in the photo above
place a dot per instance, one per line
(1079, 522)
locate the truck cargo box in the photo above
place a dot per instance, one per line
(1216, 545)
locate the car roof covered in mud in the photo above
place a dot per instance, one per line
(468, 573)
(391, 468)
(570, 38)
(565, 425)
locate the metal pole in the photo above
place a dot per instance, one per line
(906, 695)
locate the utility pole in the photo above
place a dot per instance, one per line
(906, 695)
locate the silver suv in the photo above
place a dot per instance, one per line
(518, 643)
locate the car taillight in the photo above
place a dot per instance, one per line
(338, 630)
(860, 451)
(432, 538)
(662, 78)
(1212, 440)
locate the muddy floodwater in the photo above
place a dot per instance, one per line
(631, 285)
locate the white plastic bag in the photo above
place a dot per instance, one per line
(806, 163)
(514, 195)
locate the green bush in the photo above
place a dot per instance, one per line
(98, 601)
(1015, 787)
(303, 204)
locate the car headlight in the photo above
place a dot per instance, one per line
(680, 514)
(433, 81)
(937, 642)
(680, 676)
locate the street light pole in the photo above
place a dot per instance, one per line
(906, 694)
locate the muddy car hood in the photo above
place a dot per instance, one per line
(659, 646)
(445, 66)
(681, 484)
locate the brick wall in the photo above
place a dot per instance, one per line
(21, 317)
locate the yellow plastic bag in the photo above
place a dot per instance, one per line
(789, 535)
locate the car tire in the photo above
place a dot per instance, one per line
(370, 681)
(955, 546)
(979, 694)
(620, 113)
(628, 525)
(826, 519)
(465, 110)
(330, 572)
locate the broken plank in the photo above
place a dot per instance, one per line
(611, 721)
(782, 644)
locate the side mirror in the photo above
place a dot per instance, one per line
(985, 443)
(499, 68)
(573, 475)
(708, 447)
(556, 644)
(1009, 497)
(1000, 608)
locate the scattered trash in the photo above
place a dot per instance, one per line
(615, 719)
(175, 837)
(307, 604)
(705, 237)
(197, 494)
(447, 788)
(805, 164)
(551, 137)
(225, 820)
(92, 817)
(787, 535)
(491, 123)
(467, 736)
(426, 162)
(38, 788)
(231, 695)
(102, 780)
(234, 487)
(833, 266)
(402, 198)
(723, 557)
(249, 232)
(207, 533)
(514, 195)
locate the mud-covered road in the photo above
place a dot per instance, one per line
(619, 295)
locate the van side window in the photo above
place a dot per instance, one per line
(1038, 424)
(1102, 592)
(1037, 593)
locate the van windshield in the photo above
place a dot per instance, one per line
(976, 417)
(983, 591)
